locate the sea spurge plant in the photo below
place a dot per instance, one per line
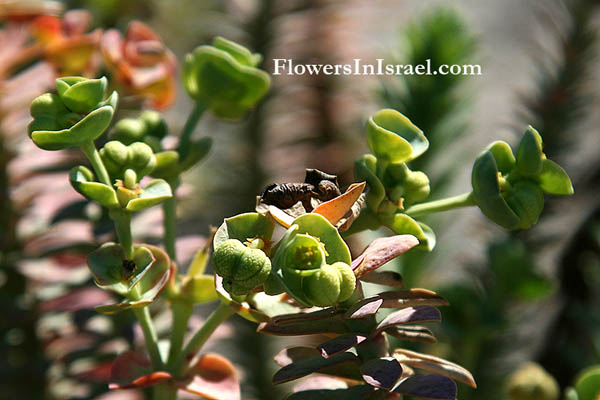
(75, 116)
(508, 189)
(224, 78)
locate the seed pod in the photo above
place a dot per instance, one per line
(330, 284)
(241, 267)
(118, 158)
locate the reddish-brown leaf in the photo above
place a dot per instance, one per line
(213, 377)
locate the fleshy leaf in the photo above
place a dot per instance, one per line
(133, 370)
(410, 315)
(382, 250)
(413, 333)
(339, 344)
(106, 266)
(502, 153)
(365, 169)
(587, 384)
(345, 365)
(243, 227)
(554, 179)
(272, 305)
(386, 278)
(431, 387)
(392, 137)
(382, 373)
(243, 309)
(155, 192)
(402, 224)
(436, 365)
(357, 392)
(212, 377)
(80, 94)
(322, 321)
(395, 299)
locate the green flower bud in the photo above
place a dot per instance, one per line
(224, 78)
(526, 200)
(242, 268)
(118, 158)
(330, 284)
(155, 124)
(532, 382)
(129, 130)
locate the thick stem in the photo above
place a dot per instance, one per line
(89, 149)
(188, 129)
(181, 314)
(463, 200)
(164, 391)
(170, 223)
(122, 221)
(220, 315)
(145, 320)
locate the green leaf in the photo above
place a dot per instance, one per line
(155, 192)
(392, 137)
(106, 266)
(79, 94)
(554, 179)
(86, 130)
(587, 384)
(402, 224)
(243, 227)
(240, 53)
(272, 305)
(503, 155)
(197, 151)
(529, 153)
(317, 226)
(199, 289)
(486, 192)
(167, 164)
(81, 179)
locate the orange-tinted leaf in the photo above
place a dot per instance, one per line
(334, 210)
(213, 377)
(133, 370)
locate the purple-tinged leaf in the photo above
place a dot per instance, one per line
(382, 373)
(410, 315)
(339, 344)
(292, 354)
(411, 298)
(344, 365)
(322, 321)
(320, 382)
(365, 307)
(359, 392)
(382, 250)
(431, 387)
(412, 333)
(133, 370)
(435, 365)
(386, 278)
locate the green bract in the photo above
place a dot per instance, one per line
(140, 280)
(76, 115)
(82, 180)
(224, 78)
(118, 158)
(393, 138)
(169, 163)
(508, 189)
(312, 263)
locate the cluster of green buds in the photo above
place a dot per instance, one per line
(74, 116)
(311, 262)
(224, 78)
(508, 189)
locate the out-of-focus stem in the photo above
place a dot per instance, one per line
(463, 200)
(92, 154)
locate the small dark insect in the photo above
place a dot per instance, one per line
(128, 268)
(318, 185)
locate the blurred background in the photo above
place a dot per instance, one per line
(515, 296)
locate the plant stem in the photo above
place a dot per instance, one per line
(462, 200)
(145, 320)
(170, 222)
(217, 317)
(92, 154)
(122, 221)
(181, 314)
(188, 129)
(165, 391)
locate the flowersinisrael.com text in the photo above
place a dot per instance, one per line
(286, 66)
